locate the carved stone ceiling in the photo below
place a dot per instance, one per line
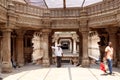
(59, 3)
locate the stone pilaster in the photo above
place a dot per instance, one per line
(6, 52)
(85, 58)
(83, 20)
(74, 44)
(20, 47)
(113, 38)
(45, 46)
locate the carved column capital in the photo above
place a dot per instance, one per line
(46, 31)
(20, 32)
(75, 37)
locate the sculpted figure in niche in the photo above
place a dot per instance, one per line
(37, 51)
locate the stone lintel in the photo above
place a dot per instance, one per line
(47, 30)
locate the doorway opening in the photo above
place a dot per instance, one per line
(70, 44)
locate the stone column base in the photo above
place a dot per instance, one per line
(46, 63)
(6, 67)
(85, 63)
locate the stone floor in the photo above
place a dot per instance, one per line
(66, 72)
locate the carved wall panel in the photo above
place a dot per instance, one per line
(62, 24)
(28, 9)
(65, 13)
(102, 7)
(4, 3)
(103, 20)
(29, 21)
(3, 13)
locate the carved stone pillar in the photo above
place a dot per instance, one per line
(85, 58)
(20, 47)
(45, 46)
(6, 51)
(70, 46)
(74, 46)
(113, 38)
(83, 20)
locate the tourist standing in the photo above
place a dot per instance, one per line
(58, 54)
(109, 56)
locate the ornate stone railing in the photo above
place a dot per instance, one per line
(33, 15)
(3, 10)
(70, 12)
(28, 9)
(29, 15)
(3, 3)
(103, 7)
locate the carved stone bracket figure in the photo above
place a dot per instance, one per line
(37, 51)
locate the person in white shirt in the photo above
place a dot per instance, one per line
(58, 54)
(109, 56)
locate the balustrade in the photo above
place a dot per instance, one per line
(3, 3)
(28, 9)
(37, 13)
(71, 12)
(102, 7)
(3, 10)
(65, 13)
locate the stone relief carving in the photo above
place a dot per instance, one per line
(37, 51)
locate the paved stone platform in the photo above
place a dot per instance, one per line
(66, 72)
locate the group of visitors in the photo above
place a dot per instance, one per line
(107, 57)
